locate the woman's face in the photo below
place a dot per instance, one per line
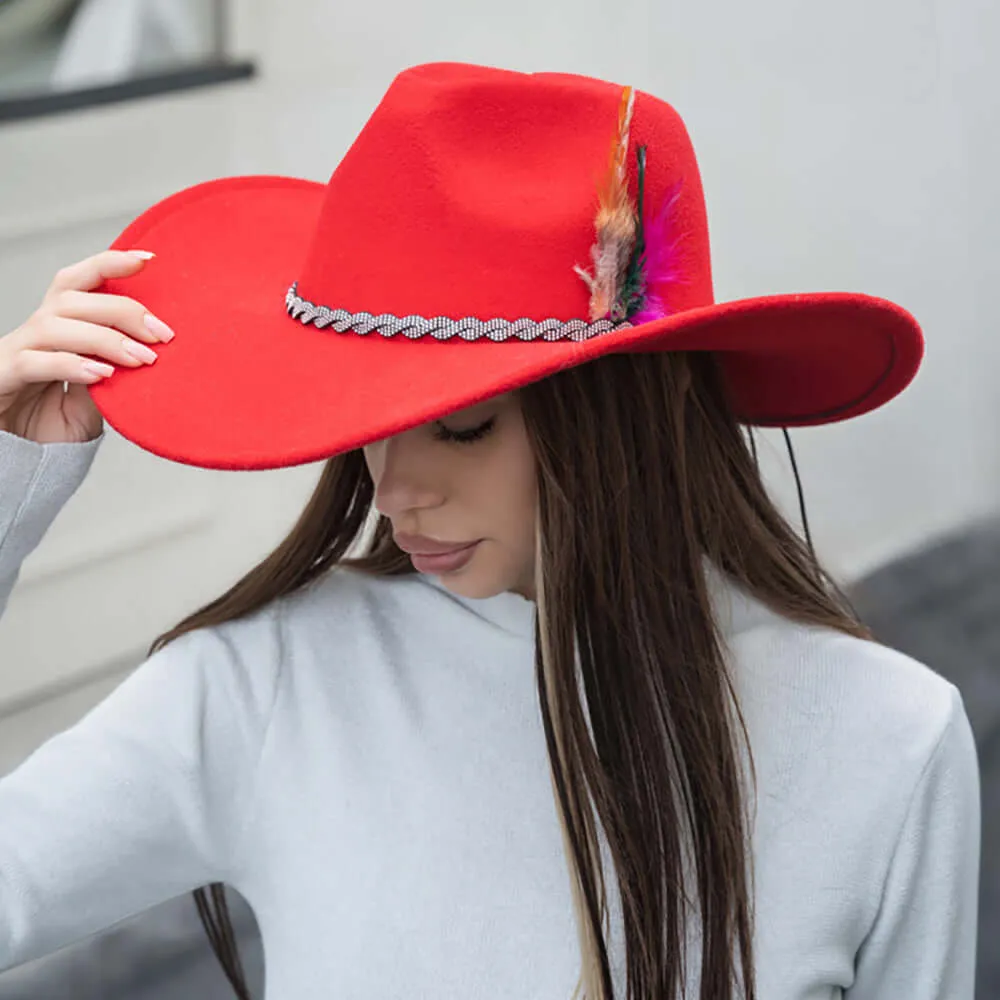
(481, 489)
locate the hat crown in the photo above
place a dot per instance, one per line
(472, 191)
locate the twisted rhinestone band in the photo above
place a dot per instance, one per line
(443, 328)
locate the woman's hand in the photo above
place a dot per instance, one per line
(59, 342)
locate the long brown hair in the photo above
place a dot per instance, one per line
(644, 475)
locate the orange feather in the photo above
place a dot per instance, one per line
(615, 224)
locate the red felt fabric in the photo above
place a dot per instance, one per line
(470, 192)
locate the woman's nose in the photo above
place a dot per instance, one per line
(403, 480)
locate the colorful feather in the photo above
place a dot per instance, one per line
(615, 224)
(660, 258)
(635, 252)
(633, 286)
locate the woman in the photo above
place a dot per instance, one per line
(626, 736)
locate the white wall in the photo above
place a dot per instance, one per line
(854, 146)
(843, 147)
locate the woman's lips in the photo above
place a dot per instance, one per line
(447, 562)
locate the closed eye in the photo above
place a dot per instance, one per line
(465, 436)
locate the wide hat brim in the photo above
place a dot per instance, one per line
(244, 385)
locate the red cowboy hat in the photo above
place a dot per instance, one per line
(486, 229)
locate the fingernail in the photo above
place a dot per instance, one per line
(158, 327)
(97, 368)
(140, 351)
(142, 254)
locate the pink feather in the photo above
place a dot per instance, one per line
(660, 259)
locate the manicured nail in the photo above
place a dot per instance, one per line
(139, 351)
(158, 327)
(142, 254)
(97, 369)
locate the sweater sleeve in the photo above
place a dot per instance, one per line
(922, 944)
(36, 481)
(144, 798)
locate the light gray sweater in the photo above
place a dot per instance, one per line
(365, 763)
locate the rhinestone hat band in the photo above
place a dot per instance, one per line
(443, 328)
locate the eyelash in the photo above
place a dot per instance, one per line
(465, 437)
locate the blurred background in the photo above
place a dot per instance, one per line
(845, 147)
(67, 45)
